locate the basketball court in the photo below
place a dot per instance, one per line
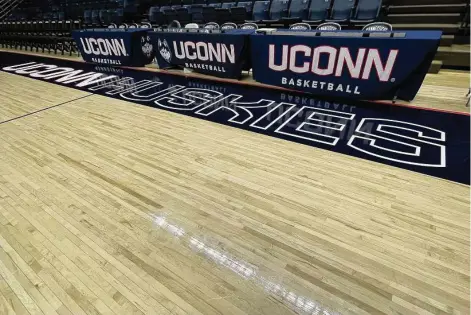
(115, 206)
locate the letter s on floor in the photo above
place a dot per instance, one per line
(400, 141)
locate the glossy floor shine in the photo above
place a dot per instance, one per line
(107, 207)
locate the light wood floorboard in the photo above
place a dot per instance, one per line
(43, 95)
(108, 207)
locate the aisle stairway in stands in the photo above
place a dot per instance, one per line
(450, 16)
(427, 14)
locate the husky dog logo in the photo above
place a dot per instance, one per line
(329, 26)
(146, 46)
(378, 27)
(300, 26)
(164, 50)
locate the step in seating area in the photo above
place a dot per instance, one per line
(450, 16)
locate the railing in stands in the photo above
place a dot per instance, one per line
(7, 6)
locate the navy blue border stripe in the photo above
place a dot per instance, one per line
(431, 142)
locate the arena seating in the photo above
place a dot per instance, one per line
(341, 10)
(451, 16)
(366, 11)
(260, 11)
(42, 35)
(297, 11)
(318, 11)
(96, 13)
(278, 10)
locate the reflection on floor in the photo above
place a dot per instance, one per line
(246, 271)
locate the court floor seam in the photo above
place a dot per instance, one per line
(44, 109)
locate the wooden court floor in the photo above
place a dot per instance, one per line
(107, 207)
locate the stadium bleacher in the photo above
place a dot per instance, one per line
(341, 11)
(56, 18)
(297, 11)
(48, 35)
(160, 12)
(366, 11)
(318, 11)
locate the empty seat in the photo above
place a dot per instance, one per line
(165, 7)
(169, 15)
(87, 17)
(224, 13)
(318, 11)
(155, 16)
(228, 5)
(196, 14)
(230, 15)
(238, 14)
(278, 10)
(209, 14)
(248, 6)
(329, 26)
(214, 3)
(341, 10)
(366, 11)
(260, 10)
(119, 16)
(130, 6)
(95, 17)
(297, 10)
(183, 15)
(104, 16)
